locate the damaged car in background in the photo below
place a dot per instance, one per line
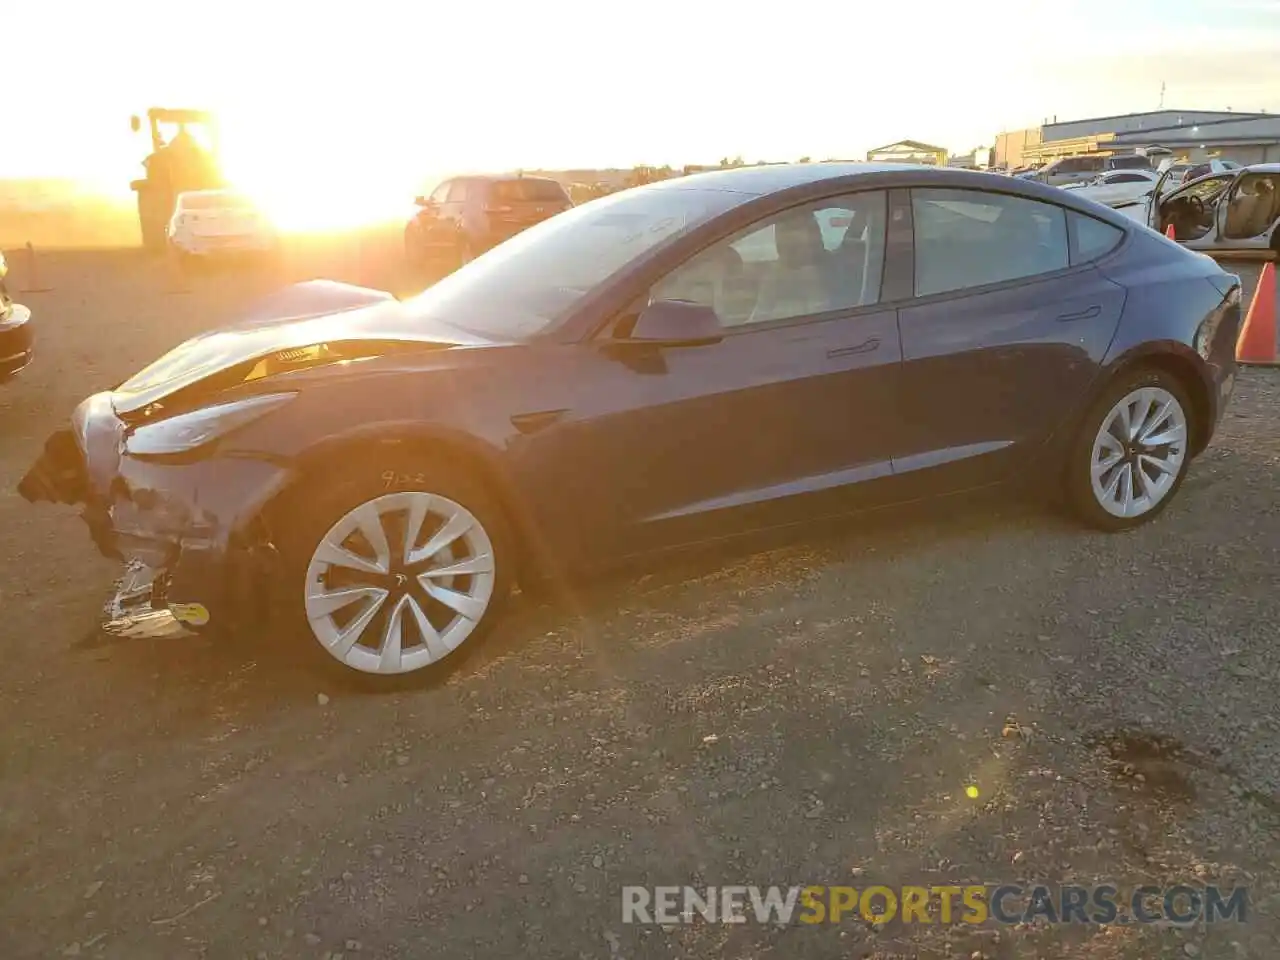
(1232, 211)
(677, 364)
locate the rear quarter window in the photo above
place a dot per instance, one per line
(1091, 239)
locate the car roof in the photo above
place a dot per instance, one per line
(1263, 168)
(795, 177)
(770, 178)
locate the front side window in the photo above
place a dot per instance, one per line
(971, 238)
(457, 191)
(815, 259)
(441, 193)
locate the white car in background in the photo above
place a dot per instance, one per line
(1117, 188)
(208, 223)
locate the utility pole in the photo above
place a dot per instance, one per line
(1161, 94)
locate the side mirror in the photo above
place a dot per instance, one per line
(422, 201)
(677, 323)
(135, 123)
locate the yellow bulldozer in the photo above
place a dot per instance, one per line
(184, 156)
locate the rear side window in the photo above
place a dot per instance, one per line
(971, 238)
(1127, 178)
(529, 191)
(1093, 238)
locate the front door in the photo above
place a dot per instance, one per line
(787, 417)
(1003, 327)
(1192, 211)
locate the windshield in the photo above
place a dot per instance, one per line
(532, 281)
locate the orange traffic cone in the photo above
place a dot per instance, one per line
(33, 273)
(1168, 232)
(1257, 343)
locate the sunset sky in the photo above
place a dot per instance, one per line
(364, 98)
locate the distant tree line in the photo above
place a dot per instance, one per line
(640, 175)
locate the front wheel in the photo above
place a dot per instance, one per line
(1132, 451)
(394, 568)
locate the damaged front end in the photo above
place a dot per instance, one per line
(147, 463)
(187, 532)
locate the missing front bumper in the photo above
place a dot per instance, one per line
(190, 534)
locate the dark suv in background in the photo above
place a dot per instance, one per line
(465, 216)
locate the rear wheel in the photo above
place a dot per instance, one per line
(1132, 451)
(393, 568)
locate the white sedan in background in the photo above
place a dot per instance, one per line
(208, 223)
(1116, 188)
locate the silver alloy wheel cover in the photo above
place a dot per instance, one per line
(1138, 452)
(459, 528)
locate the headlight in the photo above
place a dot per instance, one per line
(187, 431)
(4, 267)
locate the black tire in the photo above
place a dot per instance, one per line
(1078, 484)
(321, 502)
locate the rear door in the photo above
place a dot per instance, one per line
(1009, 322)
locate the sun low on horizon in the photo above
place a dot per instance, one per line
(337, 116)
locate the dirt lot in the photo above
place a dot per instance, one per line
(810, 715)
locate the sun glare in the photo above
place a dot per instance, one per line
(317, 183)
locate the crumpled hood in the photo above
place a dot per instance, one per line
(305, 314)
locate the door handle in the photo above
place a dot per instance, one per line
(1088, 313)
(866, 346)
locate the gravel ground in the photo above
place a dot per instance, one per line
(810, 714)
